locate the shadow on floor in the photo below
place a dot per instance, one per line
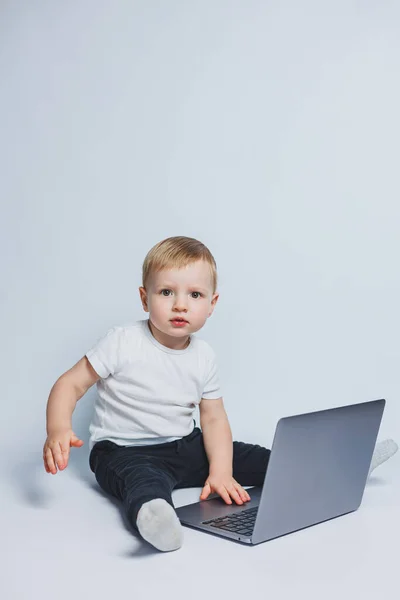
(27, 479)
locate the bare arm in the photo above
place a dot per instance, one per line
(64, 395)
(217, 435)
(66, 392)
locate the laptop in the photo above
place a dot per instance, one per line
(317, 471)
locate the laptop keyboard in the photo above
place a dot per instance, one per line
(241, 522)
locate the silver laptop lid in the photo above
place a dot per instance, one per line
(318, 468)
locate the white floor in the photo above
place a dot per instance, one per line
(62, 538)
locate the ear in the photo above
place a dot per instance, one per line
(143, 298)
(214, 301)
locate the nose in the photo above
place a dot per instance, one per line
(180, 304)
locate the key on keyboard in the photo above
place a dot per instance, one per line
(241, 522)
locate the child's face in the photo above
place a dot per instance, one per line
(185, 293)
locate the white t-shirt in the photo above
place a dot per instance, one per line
(148, 393)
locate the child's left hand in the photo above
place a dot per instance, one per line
(227, 487)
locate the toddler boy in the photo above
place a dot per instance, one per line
(150, 377)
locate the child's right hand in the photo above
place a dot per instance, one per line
(56, 449)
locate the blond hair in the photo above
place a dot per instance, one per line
(177, 252)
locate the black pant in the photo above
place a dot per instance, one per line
(137, 474)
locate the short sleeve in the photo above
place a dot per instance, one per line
(212, 389)
(106, 355)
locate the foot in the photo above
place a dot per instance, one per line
(383, 451)
(159, 525)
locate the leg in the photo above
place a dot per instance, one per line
(134, 478)
(383, 451)
(249, 463)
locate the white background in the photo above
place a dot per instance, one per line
(269, 131)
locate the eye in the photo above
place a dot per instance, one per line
(166, 295)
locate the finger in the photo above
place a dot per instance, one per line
(205, 491)
(75, 441)
(45, 461)
(223, 492)
(235, 495)
(54, 469)
(50, 461)
(64, 455)
(46, 466)
(242, 493)
(58, 455)
(44, 458)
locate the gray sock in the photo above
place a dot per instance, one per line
(159, 525)
(383, 451)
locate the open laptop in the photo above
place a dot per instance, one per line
(317, 470)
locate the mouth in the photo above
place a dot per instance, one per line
(178, 320)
